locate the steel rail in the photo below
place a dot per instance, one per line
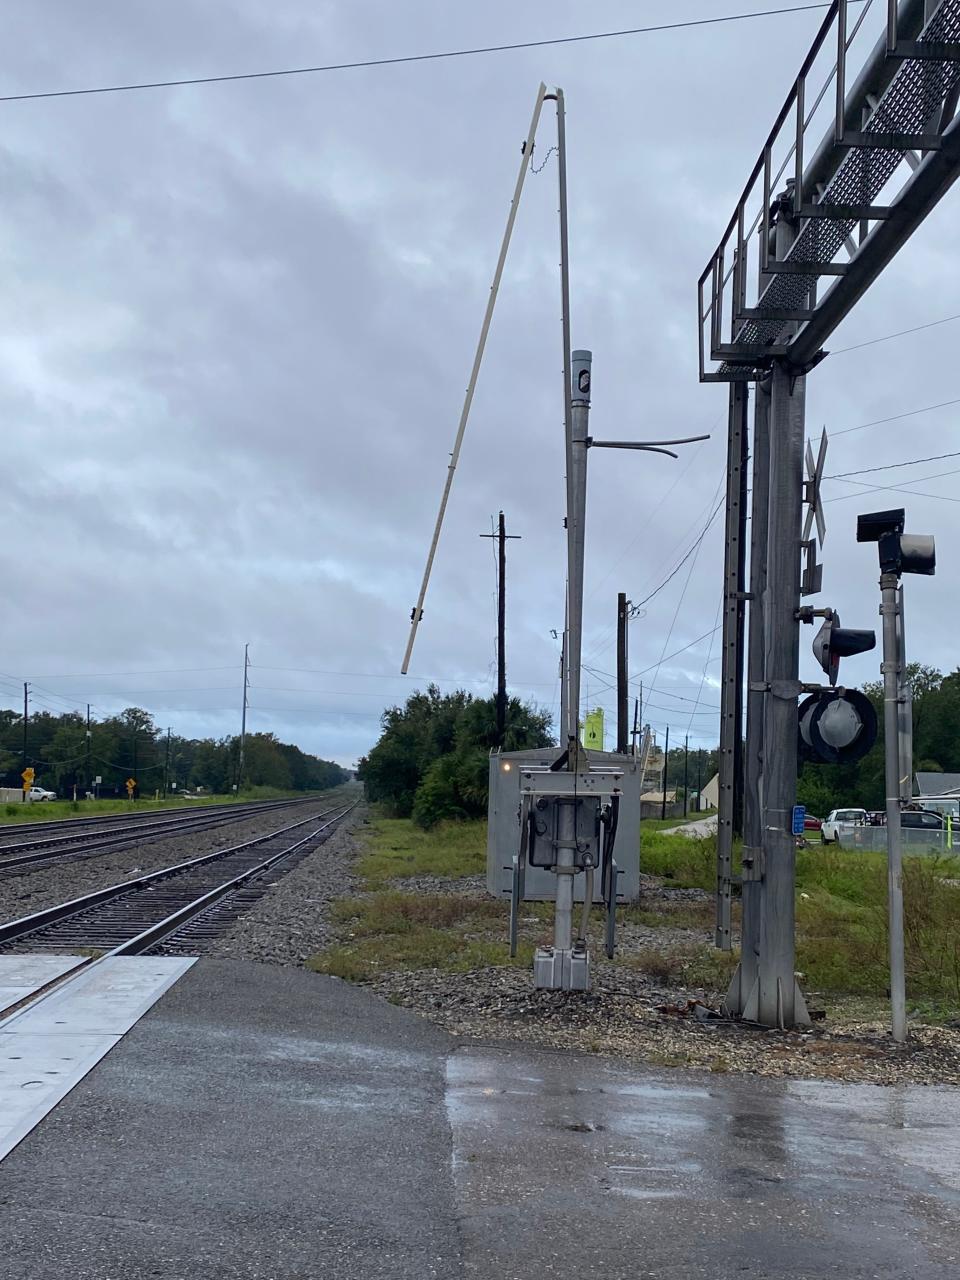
(111, 822)
(163, 929)
(14, 930)
(54, 848)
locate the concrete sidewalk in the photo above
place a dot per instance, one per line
(271, 1123)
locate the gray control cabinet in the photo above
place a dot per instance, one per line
(503, 827)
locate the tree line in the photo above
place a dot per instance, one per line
(130, 745)
(431, 761)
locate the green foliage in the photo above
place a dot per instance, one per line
(130, 745)
(842, 939)
(390, 931)
(687, 862)
(396, 849)
(431, 761)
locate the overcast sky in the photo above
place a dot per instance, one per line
(236, 322)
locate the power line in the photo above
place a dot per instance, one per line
(911, 413)
(887, 337)
(696, 547)
(410, 58)
(889, 488)
(892, 466)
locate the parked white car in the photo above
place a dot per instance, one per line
(839, 821)
(40, 793)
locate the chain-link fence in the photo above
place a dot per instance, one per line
(938, 841)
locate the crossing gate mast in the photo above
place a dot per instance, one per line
(808, 236)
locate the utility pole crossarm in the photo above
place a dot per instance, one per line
(417, 613)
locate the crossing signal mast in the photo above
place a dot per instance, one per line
(815, 226)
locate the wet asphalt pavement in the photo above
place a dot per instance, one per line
(270, 1123)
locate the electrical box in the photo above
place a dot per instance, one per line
(507, 788)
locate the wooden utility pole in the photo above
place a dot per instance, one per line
(26, 718)
(501, 536)
(243, 719)
(666, 760)
(622, 692)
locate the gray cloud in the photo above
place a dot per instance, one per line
(237, 322)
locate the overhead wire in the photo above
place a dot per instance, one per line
(475, 51)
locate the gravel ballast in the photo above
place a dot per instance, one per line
(291, 922)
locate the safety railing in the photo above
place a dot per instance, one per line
(801, 208)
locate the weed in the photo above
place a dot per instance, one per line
(397, 849)
(692, 966)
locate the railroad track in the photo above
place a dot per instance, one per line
(65, 846)
(178, 908)
(112, 821)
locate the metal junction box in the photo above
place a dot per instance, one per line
(514, 774)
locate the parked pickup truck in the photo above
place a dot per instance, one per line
(839, 821)
(40, 793)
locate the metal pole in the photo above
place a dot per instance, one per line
(891, 759)
(636, 714)
(576, 519)
(686, 761)
(700, 780)
(745, 980)
(417, 613)
(780, 1002)
(731, 687)
(166, 765)
(564, 686)
(89, 770)
(622, 691)
(905, 716)
(666, 761)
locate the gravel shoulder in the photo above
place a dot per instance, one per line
(24, 892)
(291, 922)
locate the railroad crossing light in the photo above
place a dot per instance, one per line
(837, 727)
(833, 642)
(899, 552)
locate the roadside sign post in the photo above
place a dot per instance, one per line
(27, 776)
(131, 785)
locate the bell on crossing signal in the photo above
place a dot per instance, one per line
(837, 728)
(833, 642)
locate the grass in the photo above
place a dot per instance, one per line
(391, 930)
(53, 810)
(693, 965)
(396, 849)
(841, 917)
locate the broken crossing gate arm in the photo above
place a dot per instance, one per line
(417, 612)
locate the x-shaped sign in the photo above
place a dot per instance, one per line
(814, 476)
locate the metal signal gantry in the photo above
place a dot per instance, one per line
(886, 149)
